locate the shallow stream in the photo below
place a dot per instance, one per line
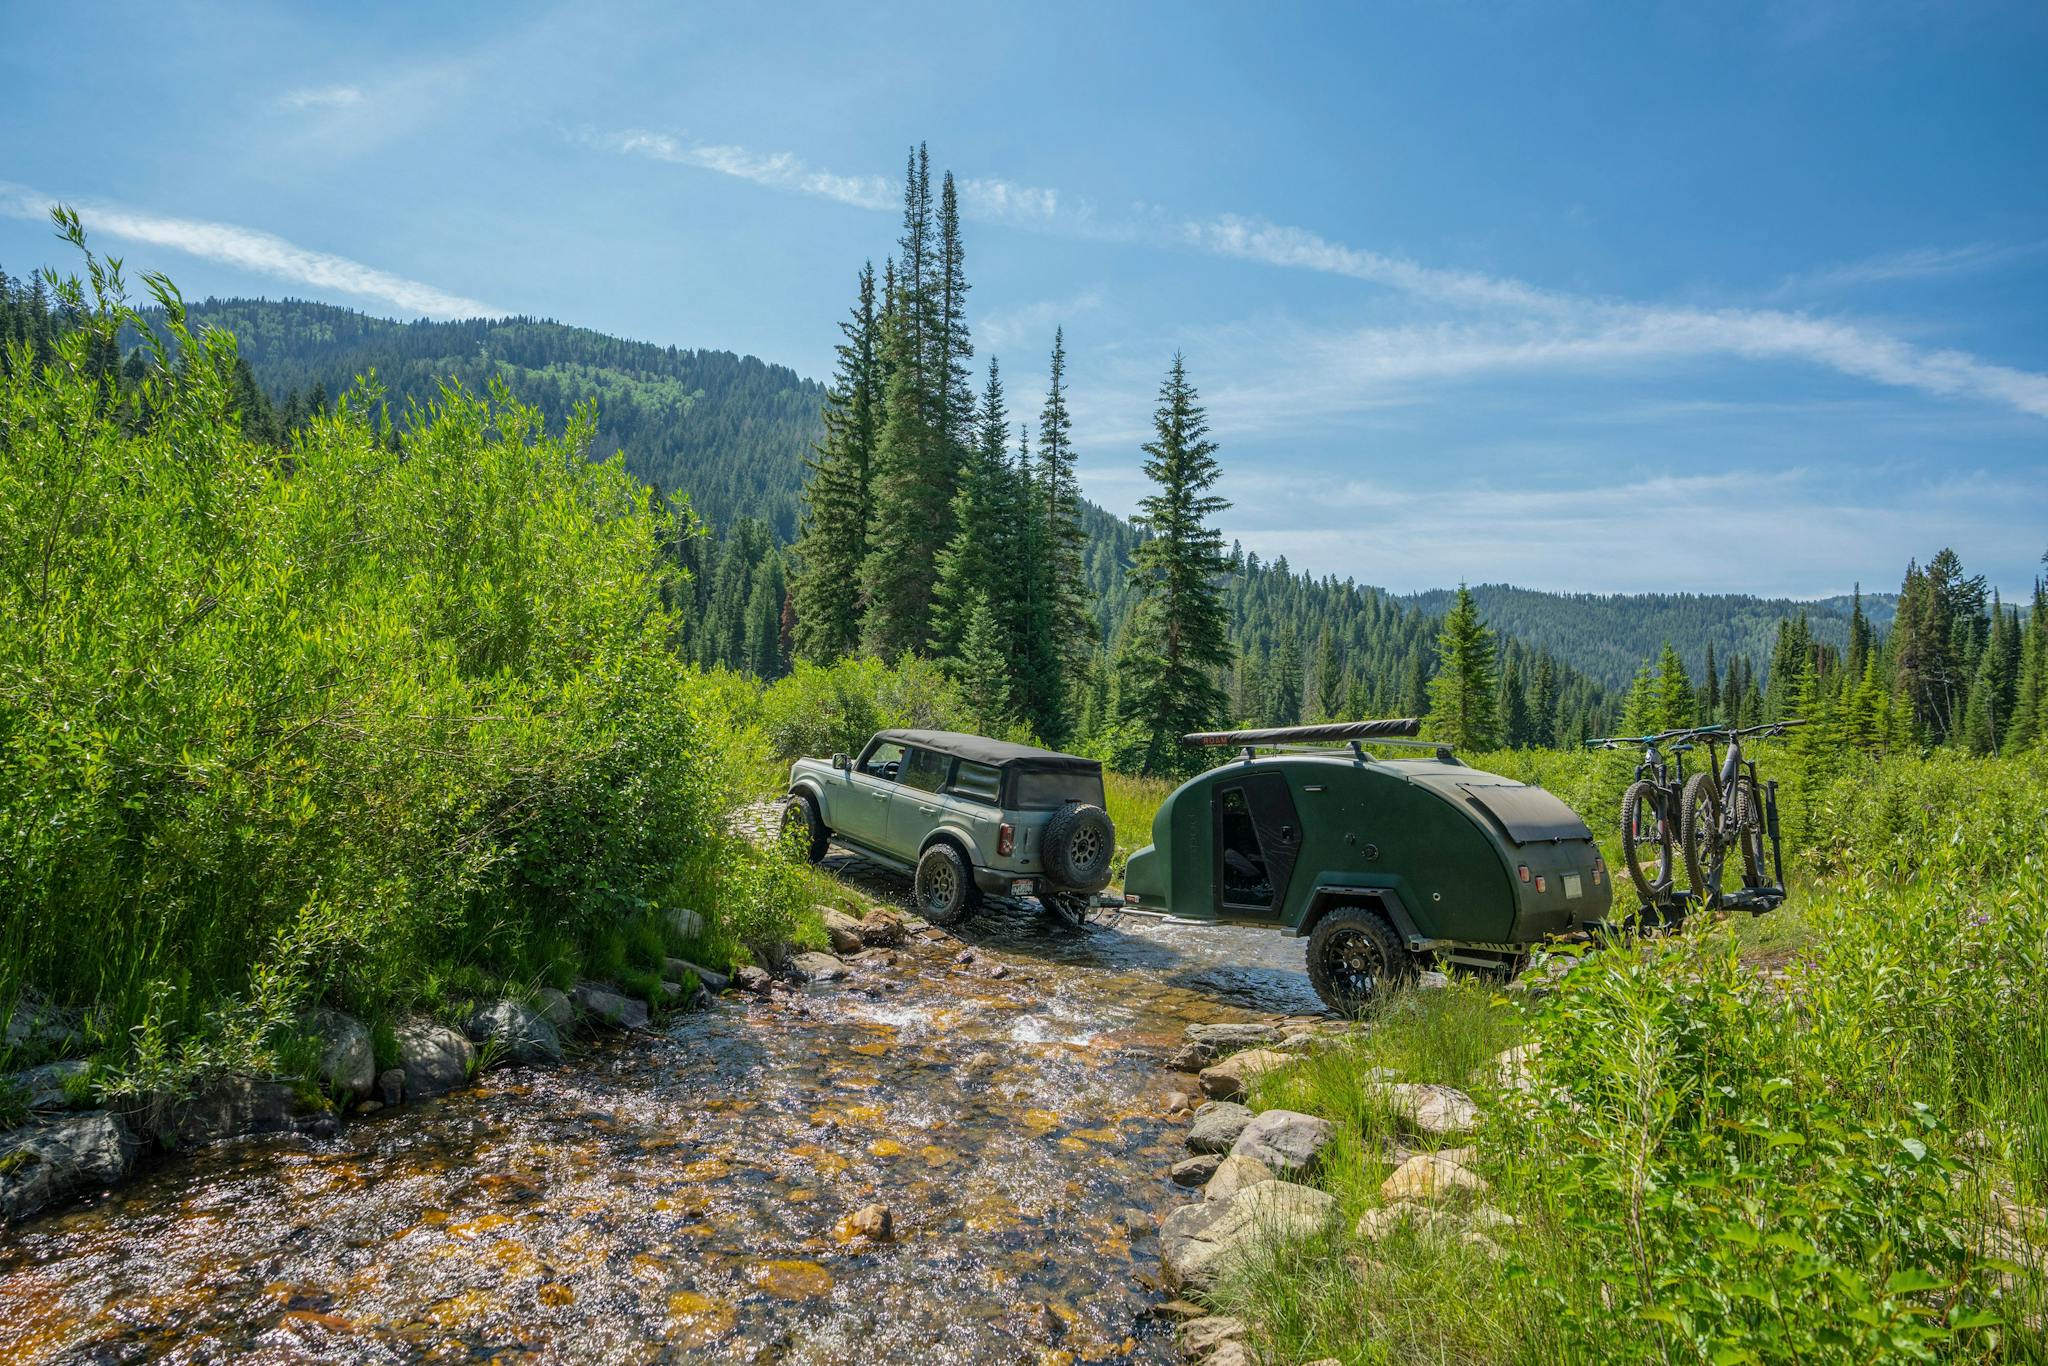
(682, 1195)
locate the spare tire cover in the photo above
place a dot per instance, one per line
(1080, 842)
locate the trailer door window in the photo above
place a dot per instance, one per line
(1244, 879)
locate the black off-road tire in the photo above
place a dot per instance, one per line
(1699, 838)
(1748, 805)
(1355, 959)
(1641, 837)
(1080, 845)
(802, 823)
(943, 890)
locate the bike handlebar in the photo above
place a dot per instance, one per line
(1695, 733)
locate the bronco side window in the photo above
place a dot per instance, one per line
(883, 761)
(925, 770)
(976, 782)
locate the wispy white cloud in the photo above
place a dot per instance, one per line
(778, 170)
(1518, 325)
(252, 250)
(1919, 263)
(1032, 324)
(321, 97)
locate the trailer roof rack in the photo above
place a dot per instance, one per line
(1330, 733)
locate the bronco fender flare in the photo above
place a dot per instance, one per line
(953, 834)
(1383, 899)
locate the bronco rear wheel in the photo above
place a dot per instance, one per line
(944, 886)
(1355, 959)
(803, 827)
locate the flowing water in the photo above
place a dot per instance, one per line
(683, 1195)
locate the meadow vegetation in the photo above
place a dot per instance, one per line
(1816, 1136)
(389, 729)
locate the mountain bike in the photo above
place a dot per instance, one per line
(1650, 813)
(1725, 810)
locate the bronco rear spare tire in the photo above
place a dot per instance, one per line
(1079, 844)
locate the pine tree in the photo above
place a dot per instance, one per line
(1674, 691)
(1179, 636)
(975, 563)
(1710, 704)
(1069, 626)
(762, 652)
(1512, 707)
(954, 348)
(1543, 703)
(2030, 694)
(832, 548)
(1283, 703)
(915, 463)
(1329, 685)
(1462, 694)
(983, 669)
(1987, 711)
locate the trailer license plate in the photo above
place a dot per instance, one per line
(1573, 888)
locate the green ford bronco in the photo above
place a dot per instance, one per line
(964, 815)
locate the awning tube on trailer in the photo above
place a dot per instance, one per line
(1335, 732)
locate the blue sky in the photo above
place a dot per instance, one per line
(1471, 290)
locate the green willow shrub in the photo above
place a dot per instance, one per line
(819, 709)
(325, 723)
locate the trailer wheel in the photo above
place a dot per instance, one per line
(1355, 959)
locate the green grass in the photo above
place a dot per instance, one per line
(1132, 802)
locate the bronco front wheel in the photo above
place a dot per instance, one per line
(1355, 959)
(803, 827)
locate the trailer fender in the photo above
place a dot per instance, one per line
(1381, 899)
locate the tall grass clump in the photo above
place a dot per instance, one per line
(335, 722)
(1835, 1154)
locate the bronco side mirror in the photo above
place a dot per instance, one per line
(842, 761)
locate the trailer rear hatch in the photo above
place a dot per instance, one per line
(1525, 815)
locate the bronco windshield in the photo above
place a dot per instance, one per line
(1039, 789)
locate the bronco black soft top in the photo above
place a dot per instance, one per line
(996, 753)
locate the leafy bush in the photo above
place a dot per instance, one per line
(819, 710)
(353, 722)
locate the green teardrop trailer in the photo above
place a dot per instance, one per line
(1384, 865)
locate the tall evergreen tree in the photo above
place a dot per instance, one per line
(1462, 694)
(1675, 703)
(1512, 707)
(954, 346)
(1284, 680)
(1179, 637)
(976, 564)
(838, 504)
(915, 462)
(1070, 626)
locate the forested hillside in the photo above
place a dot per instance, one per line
(1607, 635)
(730, 430)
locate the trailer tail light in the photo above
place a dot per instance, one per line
(1006, 840)
(1524, 871)
(1599, 870)
(1539, 883)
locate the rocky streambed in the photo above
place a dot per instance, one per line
(958, 1150)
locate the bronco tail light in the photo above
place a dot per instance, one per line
(1006, 839)
(1524, 871)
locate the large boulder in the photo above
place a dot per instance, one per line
(1203, 1243)
(843, 930)
(1428, 1177)
(232, 1107)
(50, 1086)
(1196, 1170)
(1234, 1174)
(1205, 1043)
(882, 929)
(1201, 1339)
(687, 924)
(348, 1060)
(712, 979)
(521, 1033)
(555, 1007)
(1232, 1078)
(54, 1159)
(433, 1057)
(816, 967)
(1289, 1142)
(1217, 1126)
(608, 1007)
(1427, 1109)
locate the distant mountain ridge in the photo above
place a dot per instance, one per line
(734, 432)
(1610, 635)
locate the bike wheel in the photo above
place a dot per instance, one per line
(1700, 838)
(1748, 804)
(1646, 841)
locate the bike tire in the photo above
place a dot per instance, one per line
(1700, 838)
(1645, 830)
(1748, 805)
